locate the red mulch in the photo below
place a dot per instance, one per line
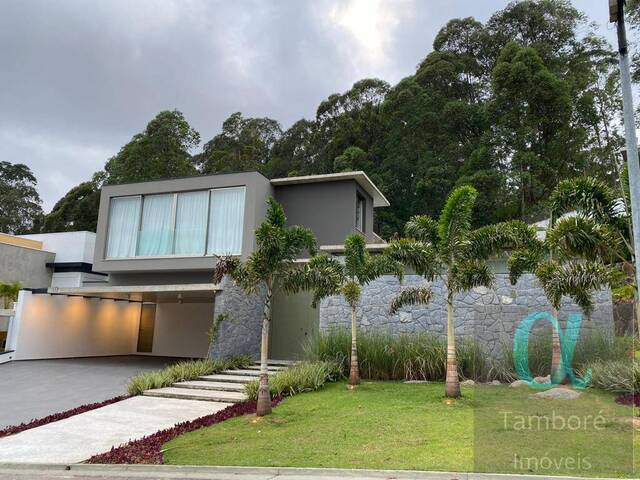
(149, 449)
(629, 399)
(56, 416)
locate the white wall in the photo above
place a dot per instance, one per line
(47, 326)
(68, 246)
(181, 329)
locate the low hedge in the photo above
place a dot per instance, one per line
(302, 377)
(182, 371)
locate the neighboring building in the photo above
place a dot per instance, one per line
(158, 241)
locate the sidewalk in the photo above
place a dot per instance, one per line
(77, 438)
(148, 472)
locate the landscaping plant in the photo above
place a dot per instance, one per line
(9, 293)
(450, 250)
(299, 378)
(328, 276)
(182, 371)
(271, 264)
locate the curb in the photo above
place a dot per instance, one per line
(201, 472)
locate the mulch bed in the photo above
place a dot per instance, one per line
(57, 416)
(629, 399)
(149, 449)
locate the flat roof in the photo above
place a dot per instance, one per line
(361, 178)
(189, 292)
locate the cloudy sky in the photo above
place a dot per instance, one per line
(78, 78)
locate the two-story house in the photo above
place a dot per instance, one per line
(158, 241)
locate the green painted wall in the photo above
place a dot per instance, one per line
(293, 322)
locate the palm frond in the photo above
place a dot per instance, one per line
(468, 274)
(275, 213)
(224, 266)
(581, 236)
(422, 228)
(379, 265)
(455, 220)
(351, 291)
(299, 239)
(495, 238)
(323, 274)
(524, 260)
(411, 296)
(355, 254)
(586, 195)
(420, 256)
(577, 280)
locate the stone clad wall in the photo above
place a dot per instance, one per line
(489, 315)
(240, 334)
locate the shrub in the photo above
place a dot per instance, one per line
(383, 356)
(303, 377)
(182, 371)
(589, 349)
(617, 376)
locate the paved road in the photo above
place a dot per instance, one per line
(37, 388)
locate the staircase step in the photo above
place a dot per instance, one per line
(272, 368)
(278, 363)
(245, 372)
(207, 385)
(195, 394)
(228, 378)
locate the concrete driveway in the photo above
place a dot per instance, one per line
(37, 388)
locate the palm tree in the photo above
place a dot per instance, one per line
(267, 267)
(575, 255)
(602, 228)
(328, 276)
(451, 251)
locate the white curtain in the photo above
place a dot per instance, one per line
(226, 216)
(124, 215)
(191, 223)
(156, 232)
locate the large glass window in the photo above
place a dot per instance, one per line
(122, 233)
(191, 223)
(226, 214)
(185, 223)
(156, 230)
(360, 213)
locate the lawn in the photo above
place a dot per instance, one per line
(392, 425)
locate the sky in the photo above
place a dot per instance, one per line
(79, 78)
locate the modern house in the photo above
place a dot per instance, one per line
(158, 242)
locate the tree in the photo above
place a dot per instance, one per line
(9, 293)
(269, 266)
(451, 251)
(328, 276)
(161, 151)
(19, 199)
(244, 144)
(77, 210)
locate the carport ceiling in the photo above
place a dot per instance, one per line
(187, 293)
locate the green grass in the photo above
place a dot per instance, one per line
(392, 425)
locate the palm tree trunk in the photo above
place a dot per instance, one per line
(264, 397)
(452, 384)
(556, 374)
(354, 372)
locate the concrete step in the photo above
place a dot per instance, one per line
(272, 368)
(276, 363)
(196, 394)
(244, 372)
(206, 385)
(228, 378)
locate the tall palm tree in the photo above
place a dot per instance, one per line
(450, 250)
(267, 267)
(574, 259)
(328, 276)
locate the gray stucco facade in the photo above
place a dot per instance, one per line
(25, 265)
(491, 316)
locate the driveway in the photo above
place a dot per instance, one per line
(37, 388)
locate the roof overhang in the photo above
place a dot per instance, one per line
(361, 178)
(372, 247)
(193, 292)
